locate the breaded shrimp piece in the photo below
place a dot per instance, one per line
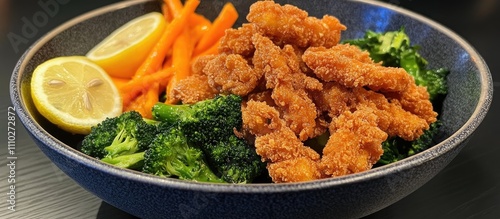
(288, 24)
(355, 144)
(295, 170)
(239, 41)
(333, 65)
(193, 89)
(415, 99)
(259, 118)
(230, 73)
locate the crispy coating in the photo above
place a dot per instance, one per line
(288, 24)
(259, 118)
(298, 83)
(239, 41)
(194, 88)
(415, 99)
(355, 143)
(282, 145)
(294, 170)
(283, 74)
(231, 73)
(334, 65)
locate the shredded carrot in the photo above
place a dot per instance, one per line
(226, 19)
(157, 55)
(181, 62)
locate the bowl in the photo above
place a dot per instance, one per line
(351, 196)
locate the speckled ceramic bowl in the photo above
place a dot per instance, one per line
(353, 196)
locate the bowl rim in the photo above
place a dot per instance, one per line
(486, 95)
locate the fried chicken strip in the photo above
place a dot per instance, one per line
(355, 143)
(231, 73)
(352, 71)
(287, 24)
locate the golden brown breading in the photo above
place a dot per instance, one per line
(294, 170)
(392, 119)
(287, 24)
(415, 99)
(239, 41)
(297, 109)
(259, 118)
(355, 143)
(193, 89)
(230, 73)
(333, 65)
(281, 145)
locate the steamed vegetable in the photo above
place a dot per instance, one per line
(121, 140)
(211, 125)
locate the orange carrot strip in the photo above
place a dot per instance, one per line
(181, 62)
(226, 19)
(134, 87)
(174, 6)
(151, 98)
(166, 12)
(119, 82)
(157, 55)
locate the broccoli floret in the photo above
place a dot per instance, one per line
(396, 148)
(206, 121)
(120, 140)
(170, 155)
(393, 49)
(235, 160)
(210, 125)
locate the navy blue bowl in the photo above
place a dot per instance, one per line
(352, 196)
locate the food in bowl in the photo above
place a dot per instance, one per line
(295, 82)
(350, 196)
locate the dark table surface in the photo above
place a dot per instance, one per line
(468, 188)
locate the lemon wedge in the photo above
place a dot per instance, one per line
(121, 53)
(74, 93)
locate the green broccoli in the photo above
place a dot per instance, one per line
(170, 155)
(120, 140)
(393, 49)
(211, 125)
(206, 121)
(396, 148)
(235, 160)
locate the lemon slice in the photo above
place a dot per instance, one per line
(74, 93)
(123, 51)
